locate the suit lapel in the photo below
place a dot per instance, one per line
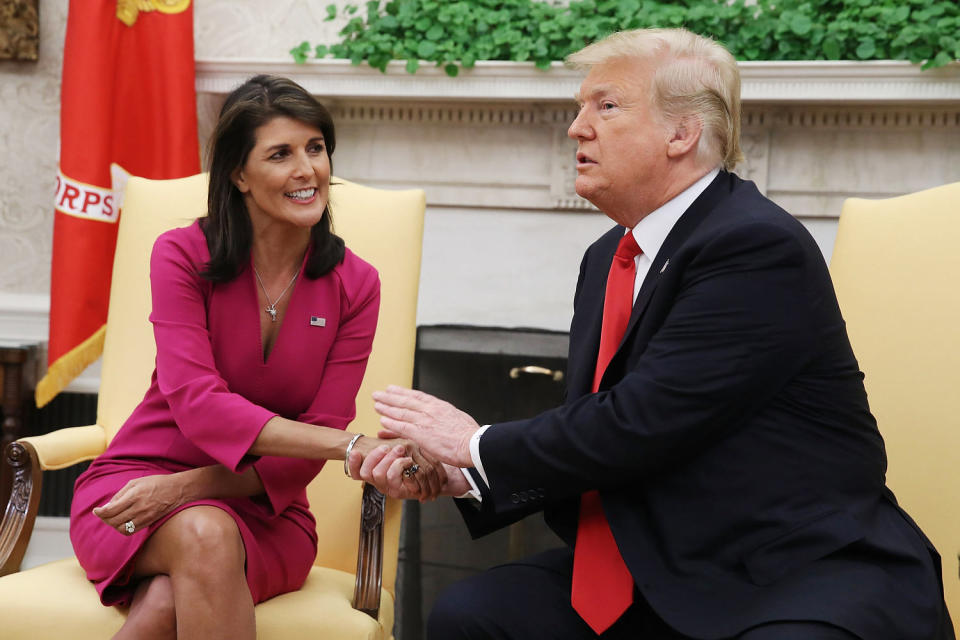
(716, 191)
(688, 222)
(584, 347)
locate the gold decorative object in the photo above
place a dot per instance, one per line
(19, 29)
(128, 10)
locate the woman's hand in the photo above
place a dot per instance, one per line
(398, 468)
(142, 501)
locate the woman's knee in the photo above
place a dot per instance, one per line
(207, 536)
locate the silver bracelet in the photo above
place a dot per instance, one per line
(346, 457)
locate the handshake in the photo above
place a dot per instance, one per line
(420, 450)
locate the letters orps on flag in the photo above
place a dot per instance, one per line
(128, 106)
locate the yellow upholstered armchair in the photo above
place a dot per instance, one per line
(896, 268)
(349, 593)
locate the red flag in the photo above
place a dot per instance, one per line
(128, 106)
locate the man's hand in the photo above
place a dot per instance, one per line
(425, 483)
(442, 431)
(142, 501)
(383, 468)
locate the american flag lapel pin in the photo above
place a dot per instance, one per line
(317, 321)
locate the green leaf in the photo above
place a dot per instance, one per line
(831, 49)
(321, 51)
(388, 23)
(299, 52)
(435, 32)
(331, 13)
(900, 14)
(412, 65)
(939, 60)
(426, 49)
(866, 49)
(451, 70)
(801, 24)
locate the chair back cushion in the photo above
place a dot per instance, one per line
(385, 228)
(150, 207)
(896, 268)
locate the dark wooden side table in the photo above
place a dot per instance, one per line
(17, 379)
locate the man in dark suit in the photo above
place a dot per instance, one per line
(715, 471)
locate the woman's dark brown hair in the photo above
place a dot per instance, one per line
(227, 226)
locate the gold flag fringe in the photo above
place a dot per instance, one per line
(69, 366)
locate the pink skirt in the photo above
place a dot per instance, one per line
(280, 550)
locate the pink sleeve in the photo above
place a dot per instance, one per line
(284, 479)
(223, 424)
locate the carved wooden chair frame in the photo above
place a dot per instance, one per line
(21, 512)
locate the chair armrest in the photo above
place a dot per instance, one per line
(366, 592)
(27, 459)
(21, 510)
(66, 447)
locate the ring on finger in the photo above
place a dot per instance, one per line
(129, 527)
(411, 471)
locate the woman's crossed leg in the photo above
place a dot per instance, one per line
(193, 583)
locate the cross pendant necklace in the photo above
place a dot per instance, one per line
(271, 307)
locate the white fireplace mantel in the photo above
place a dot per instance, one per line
(814, 133)
(490, 149)
(821, 82)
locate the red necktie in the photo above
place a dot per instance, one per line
(602, 585)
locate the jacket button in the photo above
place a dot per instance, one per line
(514, 498)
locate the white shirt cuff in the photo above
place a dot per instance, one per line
(474, 491)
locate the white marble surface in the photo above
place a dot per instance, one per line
(29, 133)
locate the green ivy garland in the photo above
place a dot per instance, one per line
(454, 33)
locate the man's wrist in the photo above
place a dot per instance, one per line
(464, 455)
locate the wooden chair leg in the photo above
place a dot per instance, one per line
(366, 593)
(21, 509)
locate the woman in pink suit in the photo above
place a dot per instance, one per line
(263, 322)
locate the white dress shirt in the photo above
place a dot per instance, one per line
(650, 234)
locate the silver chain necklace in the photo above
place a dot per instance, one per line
(271, 307)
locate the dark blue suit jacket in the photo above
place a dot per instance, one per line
(737, 460)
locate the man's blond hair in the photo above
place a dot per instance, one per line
(694, 77)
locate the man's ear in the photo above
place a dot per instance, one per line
(236, 177)
(686, 135)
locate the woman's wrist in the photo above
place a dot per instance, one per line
(348, 451)
(187, 485)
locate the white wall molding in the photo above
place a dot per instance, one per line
(25, 317)
(874, 82)
(490, 149)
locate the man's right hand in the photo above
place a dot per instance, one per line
(383, 468)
